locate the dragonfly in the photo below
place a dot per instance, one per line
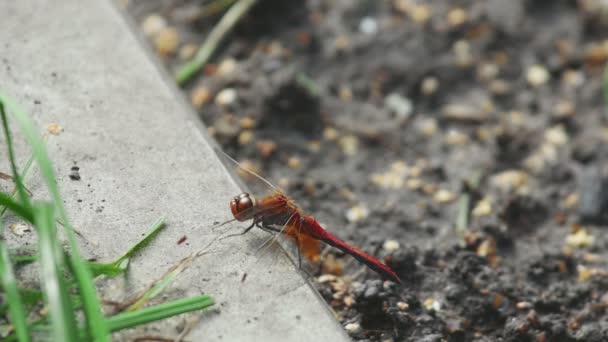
(277, 213)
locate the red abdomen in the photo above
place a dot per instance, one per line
(311, 227)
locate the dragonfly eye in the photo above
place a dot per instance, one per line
(241, 207)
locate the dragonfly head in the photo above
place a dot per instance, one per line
(242, 207)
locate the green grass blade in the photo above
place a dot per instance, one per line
(155, 229)
(94, 319)
(147, 315)
(20, 210)
(16, 308)
(24, 173)
(55, 290)
(230, 18)
(157, 288)
(25, 200)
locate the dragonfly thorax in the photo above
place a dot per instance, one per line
(243, 207)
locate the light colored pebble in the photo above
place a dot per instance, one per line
(464, 112)
(246, 137)
(391, 246)
(20, 229)
(580, 239)
(483, 208)
(349, 144)
(455, 137)
(557, 135)
(537, 75)
(368, 25)
(510, 180)
(352, 328)
(403, 306)
(428, 127)
(400, 105)
(226, 97)
(294, 162)
(457, 17)
(54, 129)
(429, 85)
(227, 67)
(167, 41)
(432, 304)
(420, 13)
(200, 96)
(357, 213)
(153, 24)
(462, 50)
(444, 196)
(187, 51)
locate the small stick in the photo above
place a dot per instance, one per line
(227, 22)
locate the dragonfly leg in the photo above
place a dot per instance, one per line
(241, 233)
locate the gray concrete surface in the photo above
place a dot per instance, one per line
(143, 154)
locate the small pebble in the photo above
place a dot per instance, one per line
(247, 122)
(500, 87)
(227, 67)
(153, 24)
(429, 85)
(245, 137)
(537, 75)
(401, 106)
(54, 129)
(483, 208)
(226, 97)
(456, 138)
(349, 145)
(294, 162)
(420, 13)
(523, 305)
(432, 304)
(357, 213)
(326, 278)
(200, 96)
(187, 51)
(330, 133)
(403, 306)
(20, 229)
(557, 135)
(462, 50)
(428, 127)
(444, 196)
(167, 41)
(266, 147)
(391, 246)
(571, 201)
(368, 25)
(457, 17)
(510, 180)
(580, 239)
(464, 112)
(487, 71)
(342, 43)
(352, 328)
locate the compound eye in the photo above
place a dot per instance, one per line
(241, 207)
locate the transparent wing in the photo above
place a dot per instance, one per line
(249, 180)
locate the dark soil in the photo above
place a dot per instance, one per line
(406, 111)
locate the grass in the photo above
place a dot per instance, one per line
(230, 18)
(72, 309)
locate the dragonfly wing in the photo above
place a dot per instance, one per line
(247, 178)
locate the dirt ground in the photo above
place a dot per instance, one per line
(463, 142)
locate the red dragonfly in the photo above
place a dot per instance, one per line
(278, 213)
